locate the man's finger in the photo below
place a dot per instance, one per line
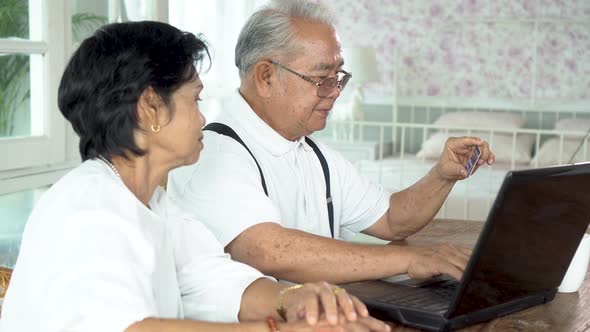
(465, 142)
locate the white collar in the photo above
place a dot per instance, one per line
(264, 135)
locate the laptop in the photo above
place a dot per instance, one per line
(523, 251)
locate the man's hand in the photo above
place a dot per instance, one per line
(451, 165)
(313, 300)
(425, 262)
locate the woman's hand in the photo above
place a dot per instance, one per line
(362, 324)
(314, 300)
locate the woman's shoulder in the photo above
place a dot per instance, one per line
(86, 184)
(90, 189)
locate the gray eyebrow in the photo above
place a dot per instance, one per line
(326, 66)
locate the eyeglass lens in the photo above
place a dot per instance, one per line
(327, 86)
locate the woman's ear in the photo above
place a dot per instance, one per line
(264, 78)
(150, 115)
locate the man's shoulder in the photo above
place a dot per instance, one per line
(219, 144)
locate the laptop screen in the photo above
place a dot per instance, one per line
(516, 259)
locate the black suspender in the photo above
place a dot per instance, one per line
(226, 130)
(223, 129)
(326, 170)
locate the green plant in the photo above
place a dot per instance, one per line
(14, 68)
(13, 23)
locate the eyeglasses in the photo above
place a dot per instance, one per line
(325, 86)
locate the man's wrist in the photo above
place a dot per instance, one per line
(440, 176)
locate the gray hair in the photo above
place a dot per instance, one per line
(269, 32)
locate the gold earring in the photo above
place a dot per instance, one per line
(156, 128)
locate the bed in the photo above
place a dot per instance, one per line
(404, 149)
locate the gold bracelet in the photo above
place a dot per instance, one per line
(280, 308)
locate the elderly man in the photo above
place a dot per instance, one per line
(280, 206)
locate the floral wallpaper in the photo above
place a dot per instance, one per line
(505, 49)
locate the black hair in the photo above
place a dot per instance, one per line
(107, 74)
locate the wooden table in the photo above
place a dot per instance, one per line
(567, 312)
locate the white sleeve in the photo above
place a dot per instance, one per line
(226, 198)
(211, 284)
(103, 282)
(360, 201)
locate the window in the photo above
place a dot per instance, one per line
(36, 144)
(31, 133)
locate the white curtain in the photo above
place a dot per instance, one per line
(132, 10)
(220, 22)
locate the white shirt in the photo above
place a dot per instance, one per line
(94, 258)
(224, 188)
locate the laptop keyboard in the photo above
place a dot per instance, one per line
(429, 297)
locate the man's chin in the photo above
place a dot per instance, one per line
(321, 125)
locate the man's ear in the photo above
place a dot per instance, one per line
(265, 77)
(149, 114)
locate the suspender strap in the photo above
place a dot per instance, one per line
(327, 178)
(223, 129)
(226, 130)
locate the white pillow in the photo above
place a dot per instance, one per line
(501, 146)
(487, 120)
(573, 125)
(549, 152)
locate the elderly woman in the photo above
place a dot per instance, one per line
(105, 249)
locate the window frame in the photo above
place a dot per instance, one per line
(49, 146)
